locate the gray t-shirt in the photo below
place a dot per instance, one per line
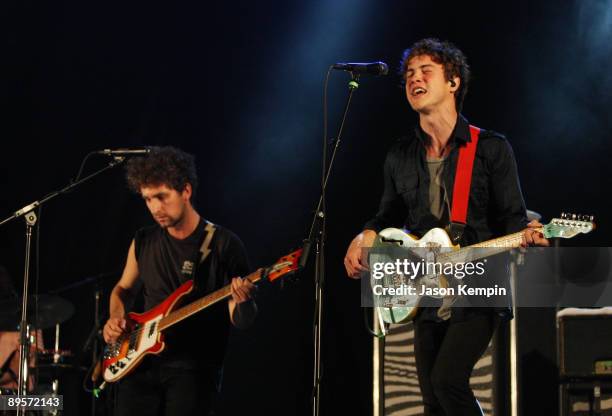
(436, 190)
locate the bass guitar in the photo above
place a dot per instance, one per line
(146, 329)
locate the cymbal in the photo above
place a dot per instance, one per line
(51, 310)
(532, 215)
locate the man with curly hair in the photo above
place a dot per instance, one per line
(185, 377)
(419, 174)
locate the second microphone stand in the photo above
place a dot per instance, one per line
(317, 234)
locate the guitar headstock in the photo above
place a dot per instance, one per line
(285, 265)
(569, 225)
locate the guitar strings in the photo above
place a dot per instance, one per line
(114, 347)
(253, 277)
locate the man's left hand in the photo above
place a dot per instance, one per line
(533, 237)
(241, 289)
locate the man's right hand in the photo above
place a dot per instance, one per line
(354, 261)
(113, 329)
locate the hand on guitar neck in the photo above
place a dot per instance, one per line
(242, 290)
(532, 236)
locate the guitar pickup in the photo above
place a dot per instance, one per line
(152, 329)
(134, 337)
(391, 240)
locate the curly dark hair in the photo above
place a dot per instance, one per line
(162, 166)
(444, 53)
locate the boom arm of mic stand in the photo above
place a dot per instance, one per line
(30, 207)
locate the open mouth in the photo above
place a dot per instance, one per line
(418, 91)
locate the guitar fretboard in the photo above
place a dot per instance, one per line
(494, 246)
(204, 302)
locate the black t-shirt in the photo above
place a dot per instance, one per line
(165, 263)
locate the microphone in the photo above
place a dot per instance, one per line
(372, 68)
(124, 152)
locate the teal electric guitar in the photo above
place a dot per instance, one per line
(436, 244)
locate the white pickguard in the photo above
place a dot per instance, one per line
(429, 247)
(145, 338)
(434, 242)
(436, 237)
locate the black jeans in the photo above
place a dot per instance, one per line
(446, 353)
(155, 389)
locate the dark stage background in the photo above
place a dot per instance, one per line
(239, 84)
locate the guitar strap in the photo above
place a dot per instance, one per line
(461, 193)
(204, 248)
(461, 187)
(203, 252)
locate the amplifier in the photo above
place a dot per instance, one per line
(584, 342)
(586, 398)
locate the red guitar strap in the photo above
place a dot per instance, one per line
(463, 178)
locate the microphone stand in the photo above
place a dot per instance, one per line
(30, 218)
(96, 331)
(317, 233)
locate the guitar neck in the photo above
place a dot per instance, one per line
(494, 246)
(508, 242)
(203, 303)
